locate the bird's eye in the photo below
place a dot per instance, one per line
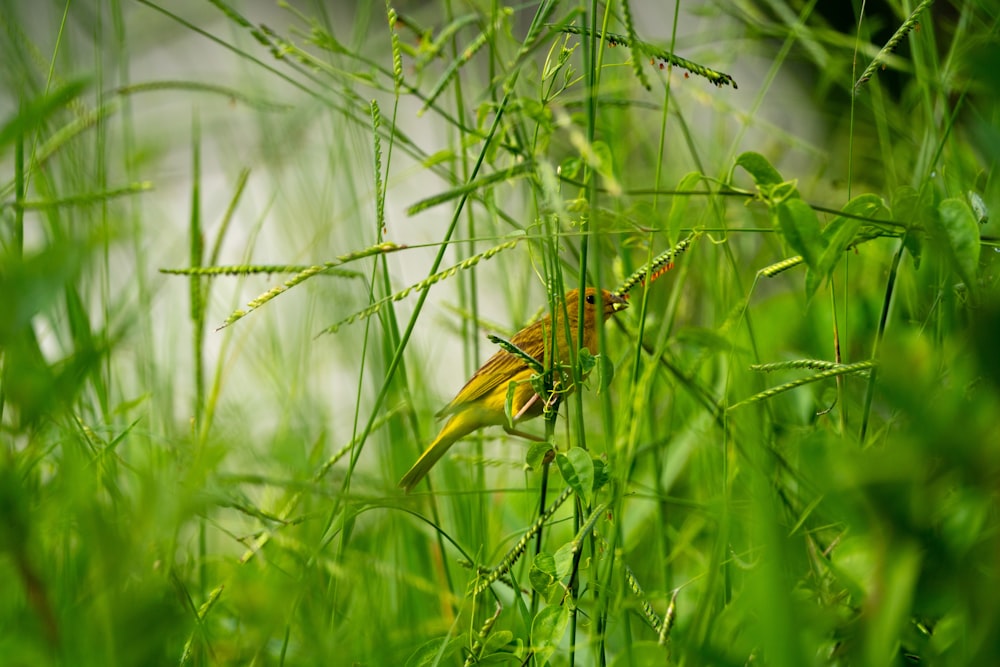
(590, 299)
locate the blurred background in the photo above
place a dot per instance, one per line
(193, 475)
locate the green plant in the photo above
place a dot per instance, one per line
(788, 451)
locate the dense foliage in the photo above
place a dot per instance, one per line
(247, 252)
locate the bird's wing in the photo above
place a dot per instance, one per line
(501, 368)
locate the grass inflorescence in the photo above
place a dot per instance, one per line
(790, 471)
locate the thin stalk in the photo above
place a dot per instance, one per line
(593, 59)
(18, 243)
(468, 288)
(882, 324)
(394, 364)
(542, 494)
(198, 327)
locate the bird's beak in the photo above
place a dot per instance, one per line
(618, 303)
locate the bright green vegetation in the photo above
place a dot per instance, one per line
(796, 460)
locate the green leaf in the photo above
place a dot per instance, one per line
(434, 652)
(868, 205)
(909, 207)
(905, 202)
(79, 321)
(443, 156)
(577, 469)
(512, 658)
(570, 167)
(956, 226)
(508, 403)
(587, 361)
(537, 453)
(536, 111)
(605, 372)
(496, 641)
(895, 592)
(547, 630)
(605, 368)
(839, 234)
(978, 207)
(563, 560)
(602, 473)
(542, 574)
(541, 384)
(34, 113)
(813, 282)
(800, 227)
(772, 188)
(914, 246)
(548, 571)
(759, 169)
(31, 285)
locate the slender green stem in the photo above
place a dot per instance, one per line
(883, 323)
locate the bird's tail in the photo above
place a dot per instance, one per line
(446, 438)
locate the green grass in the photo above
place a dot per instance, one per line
(795, 462)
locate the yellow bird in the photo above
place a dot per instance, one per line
(482, 400)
